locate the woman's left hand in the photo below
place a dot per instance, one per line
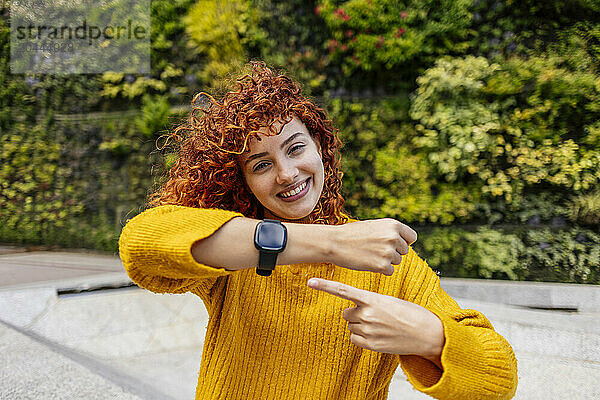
(387, 324)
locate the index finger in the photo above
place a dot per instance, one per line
(339, 289)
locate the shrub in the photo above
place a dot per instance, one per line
(521, 127)
(222, 31)
(485, 253)
(383, 173)
(571, 255)
(585, 208)
(377, 35)
(516, 27)
(567, 256)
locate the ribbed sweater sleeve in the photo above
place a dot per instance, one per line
(477, 362)
(155, 248)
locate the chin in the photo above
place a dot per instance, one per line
(294, 217)
(291, 216)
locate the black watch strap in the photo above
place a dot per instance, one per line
(270, 238)
(266, 262)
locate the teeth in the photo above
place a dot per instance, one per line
(295, 191)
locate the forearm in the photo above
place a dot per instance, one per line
(232, 246)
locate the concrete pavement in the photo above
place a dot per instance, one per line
(32, 370)
(19, 268)
(78, 312)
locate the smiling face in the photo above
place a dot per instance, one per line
(285, 172)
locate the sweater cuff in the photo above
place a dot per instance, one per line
(474, 365)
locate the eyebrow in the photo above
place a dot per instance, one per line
(258, 155)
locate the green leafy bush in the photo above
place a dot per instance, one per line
(383, 174)
(585, 208)
(36, 192)
(571, 256)
(293, 39)
(173, 66)
(485, 253)
(516, 27)
(154, 117)
(511, 128)
(405, 184)
(510, 140)
(222, 31)
(566, 256)
(377, 35)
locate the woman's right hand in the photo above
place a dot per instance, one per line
(372, 245)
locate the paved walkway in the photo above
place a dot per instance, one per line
(19, 268)
(73, 326)
(31, 369)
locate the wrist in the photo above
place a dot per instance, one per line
(327, 243)
(435, 341)
(310, 243)
(270, 239)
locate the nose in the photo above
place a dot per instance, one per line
(286, 173)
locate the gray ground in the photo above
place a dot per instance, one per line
(131, 344)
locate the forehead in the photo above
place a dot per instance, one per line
(284, 131)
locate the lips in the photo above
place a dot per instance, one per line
(304, 182)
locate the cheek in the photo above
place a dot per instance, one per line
(319, 174)
(320, 167)
(258, 186)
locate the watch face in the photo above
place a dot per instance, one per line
(271, 236)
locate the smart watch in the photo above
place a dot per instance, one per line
(270, 238)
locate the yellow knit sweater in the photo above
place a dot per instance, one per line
(276, 338)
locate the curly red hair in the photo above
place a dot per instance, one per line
(207, 174)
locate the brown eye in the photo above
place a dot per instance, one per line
(259, 166)
(295, 149)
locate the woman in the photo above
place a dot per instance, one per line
(265, 152)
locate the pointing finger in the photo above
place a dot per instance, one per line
(356, 295)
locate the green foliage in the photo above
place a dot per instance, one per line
(222, 30)
(168, 38)
(486, 253)
(69, 182)
(455, 120)
(571, 256)
(513, 138)
(36, 192)
(516, 27)
(173, 66)
(443, 249)
(155, 115)
(541, 208)
(383, 173)
(568, 256)
(293, 39)
(387, 34)
(493, 253)
(510, 128)
(406, 186)
(68, 174)
(115, 84)
(579, 45)
(16, 98)
(585, 208)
